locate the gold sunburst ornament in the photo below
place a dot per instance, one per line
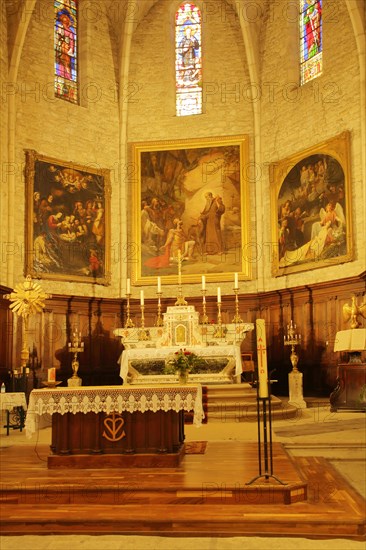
(26, 299)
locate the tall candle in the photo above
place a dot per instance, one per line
(203, 282)
(142, 297)
(262, 357)
(128, 289)
(159, 284)
(219, 295)
(236, 281)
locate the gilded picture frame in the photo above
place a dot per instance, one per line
(311, 208)
(67, 220)
(192, 196)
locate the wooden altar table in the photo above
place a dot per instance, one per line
(116, 426)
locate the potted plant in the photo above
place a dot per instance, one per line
(182, 362)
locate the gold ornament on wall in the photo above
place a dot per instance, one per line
(353, 311)
(26, 299)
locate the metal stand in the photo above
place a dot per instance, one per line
(267, 472)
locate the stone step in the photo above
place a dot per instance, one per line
(238, 403)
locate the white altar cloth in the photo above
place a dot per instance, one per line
(9, 400)
(205, 352)
(110, 399)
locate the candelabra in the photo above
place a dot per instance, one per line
(159, 319)
(292, 339)
(143, 334)
(237, 318)
(220, 331)
(75, 346)
(204, 318)
(129, 322)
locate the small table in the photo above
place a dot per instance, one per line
(10, 401)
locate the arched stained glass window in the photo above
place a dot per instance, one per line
(311, 47)
(188, 60)
(66, 77)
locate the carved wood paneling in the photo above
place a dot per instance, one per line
(316, 309)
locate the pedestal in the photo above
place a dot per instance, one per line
(295, 389)
(74, 381)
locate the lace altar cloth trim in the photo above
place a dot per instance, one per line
(114, 399)
(10, 400)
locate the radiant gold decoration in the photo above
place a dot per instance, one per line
(26, 299)
(353, 311)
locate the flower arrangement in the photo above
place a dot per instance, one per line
(182, 362)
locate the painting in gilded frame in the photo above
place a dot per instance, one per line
(311, 208)
(68, 221)
(191, 196)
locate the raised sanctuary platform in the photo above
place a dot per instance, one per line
(206, 495)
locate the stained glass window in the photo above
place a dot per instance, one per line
(66, 85)
(188, 60)
(311, 62)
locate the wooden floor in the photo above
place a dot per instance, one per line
(206, 495)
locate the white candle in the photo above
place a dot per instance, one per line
(128, 287)
(142, 297)
(203, 282)
(236, 281)
(159, 284)
(219, 295)
(262, 357)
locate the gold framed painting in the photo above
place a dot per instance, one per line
(191, 201)
(67, 221)
(311, 208)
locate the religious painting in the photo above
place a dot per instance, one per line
(311, 208)
(67, 229)
(191, 208)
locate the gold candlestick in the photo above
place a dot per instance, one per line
(143, 334)
(220, 331)
(204, 318)
(75, 346)
(159, 319)
(237, 318)
(180, 298)
(129, 322)
(292, 339)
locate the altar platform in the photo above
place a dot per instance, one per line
(206, 495)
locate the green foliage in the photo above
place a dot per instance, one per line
(182, 362)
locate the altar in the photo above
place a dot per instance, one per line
(116, 426)
(147, 349)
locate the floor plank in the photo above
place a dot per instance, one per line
(206, 495)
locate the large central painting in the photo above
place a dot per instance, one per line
(191, 204)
